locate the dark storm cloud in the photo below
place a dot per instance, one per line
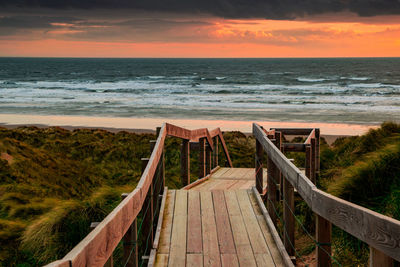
(270, 9)
(33, 22)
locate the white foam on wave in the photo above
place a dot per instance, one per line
(311, 80)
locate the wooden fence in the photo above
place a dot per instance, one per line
(97, 248)
(380, 232)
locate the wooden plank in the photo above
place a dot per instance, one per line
(160, 219)
(273, 249)
(161, 260)
(271, 227)
(253, 229)
(294, 147)
(209, 231)
(225, 237)
(59, 263)
(166, 229)
(194, 239)
(225, 185)
(228, 158)
(229, 260)
(294, 131)
(377, 230)
(220, 172)
(97, 247)
(242, 243)
(194, 260)
(177, 255)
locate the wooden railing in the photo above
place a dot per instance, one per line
(380, 232)
(97, 248)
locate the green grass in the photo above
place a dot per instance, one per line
(54, 183)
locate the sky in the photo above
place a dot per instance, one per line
(208, 28)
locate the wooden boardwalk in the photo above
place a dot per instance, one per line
(216, 223)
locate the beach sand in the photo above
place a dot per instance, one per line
(330, 131)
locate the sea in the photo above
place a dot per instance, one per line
(336, 90)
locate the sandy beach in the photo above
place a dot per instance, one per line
(330, 131)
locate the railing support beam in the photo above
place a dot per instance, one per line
(259, 167)
(130, 244)
(148, 212)
(379, 259)
(202, 157)
(323, 237)
(216, 145)
(288, 217)
(185, 163)
(272, 189)
(208, 160)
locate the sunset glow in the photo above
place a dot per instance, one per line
(320, 36)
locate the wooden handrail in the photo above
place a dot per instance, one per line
(97, 247)
(310, 136)
(379, 231)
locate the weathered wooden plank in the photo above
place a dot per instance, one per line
(264, 259)
(225, 237)
(98, 245)
(209, 231)
(161, 260)
(241, 239)
(194, 260)
(271, 227)
(273, 249)
(310, 136)
(377, 230)
(294, 147)
(253, 229)
(59, 263)
(166, 229)
(160, 219)
(229, 260)
(294, 131)
(220, 172)
(194, 239)
(177, 255)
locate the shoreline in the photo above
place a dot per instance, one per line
(148, 125)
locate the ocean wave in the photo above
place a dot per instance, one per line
(312, 80)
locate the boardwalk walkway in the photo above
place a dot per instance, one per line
(216, 223)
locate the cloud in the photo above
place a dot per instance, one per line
(269, 9)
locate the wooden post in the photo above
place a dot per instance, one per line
(130, 243)
(278, 144)
(313, 162)
(317, 149)
(288, 217)
(185, 163)
(148, 216)
(259, 167)
(208, 159)
(202, 157)
(216, 139)
(109, 262)
(379, 259)
(308, 161)
(323, 237)
(271, 189)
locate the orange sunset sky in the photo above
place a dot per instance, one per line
(76, 31)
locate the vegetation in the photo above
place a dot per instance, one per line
(55, 182)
